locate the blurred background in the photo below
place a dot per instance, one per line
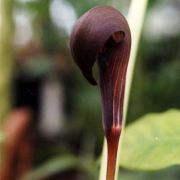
(40, 82)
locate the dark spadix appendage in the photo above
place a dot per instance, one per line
(102, 34)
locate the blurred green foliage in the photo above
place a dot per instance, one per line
(167, 174)
(156, 78)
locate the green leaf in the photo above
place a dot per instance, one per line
(152, 142)
(171, 173)
(53, 166)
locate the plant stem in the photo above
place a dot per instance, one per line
(112, 143)
(6, 63)
(135, 18)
